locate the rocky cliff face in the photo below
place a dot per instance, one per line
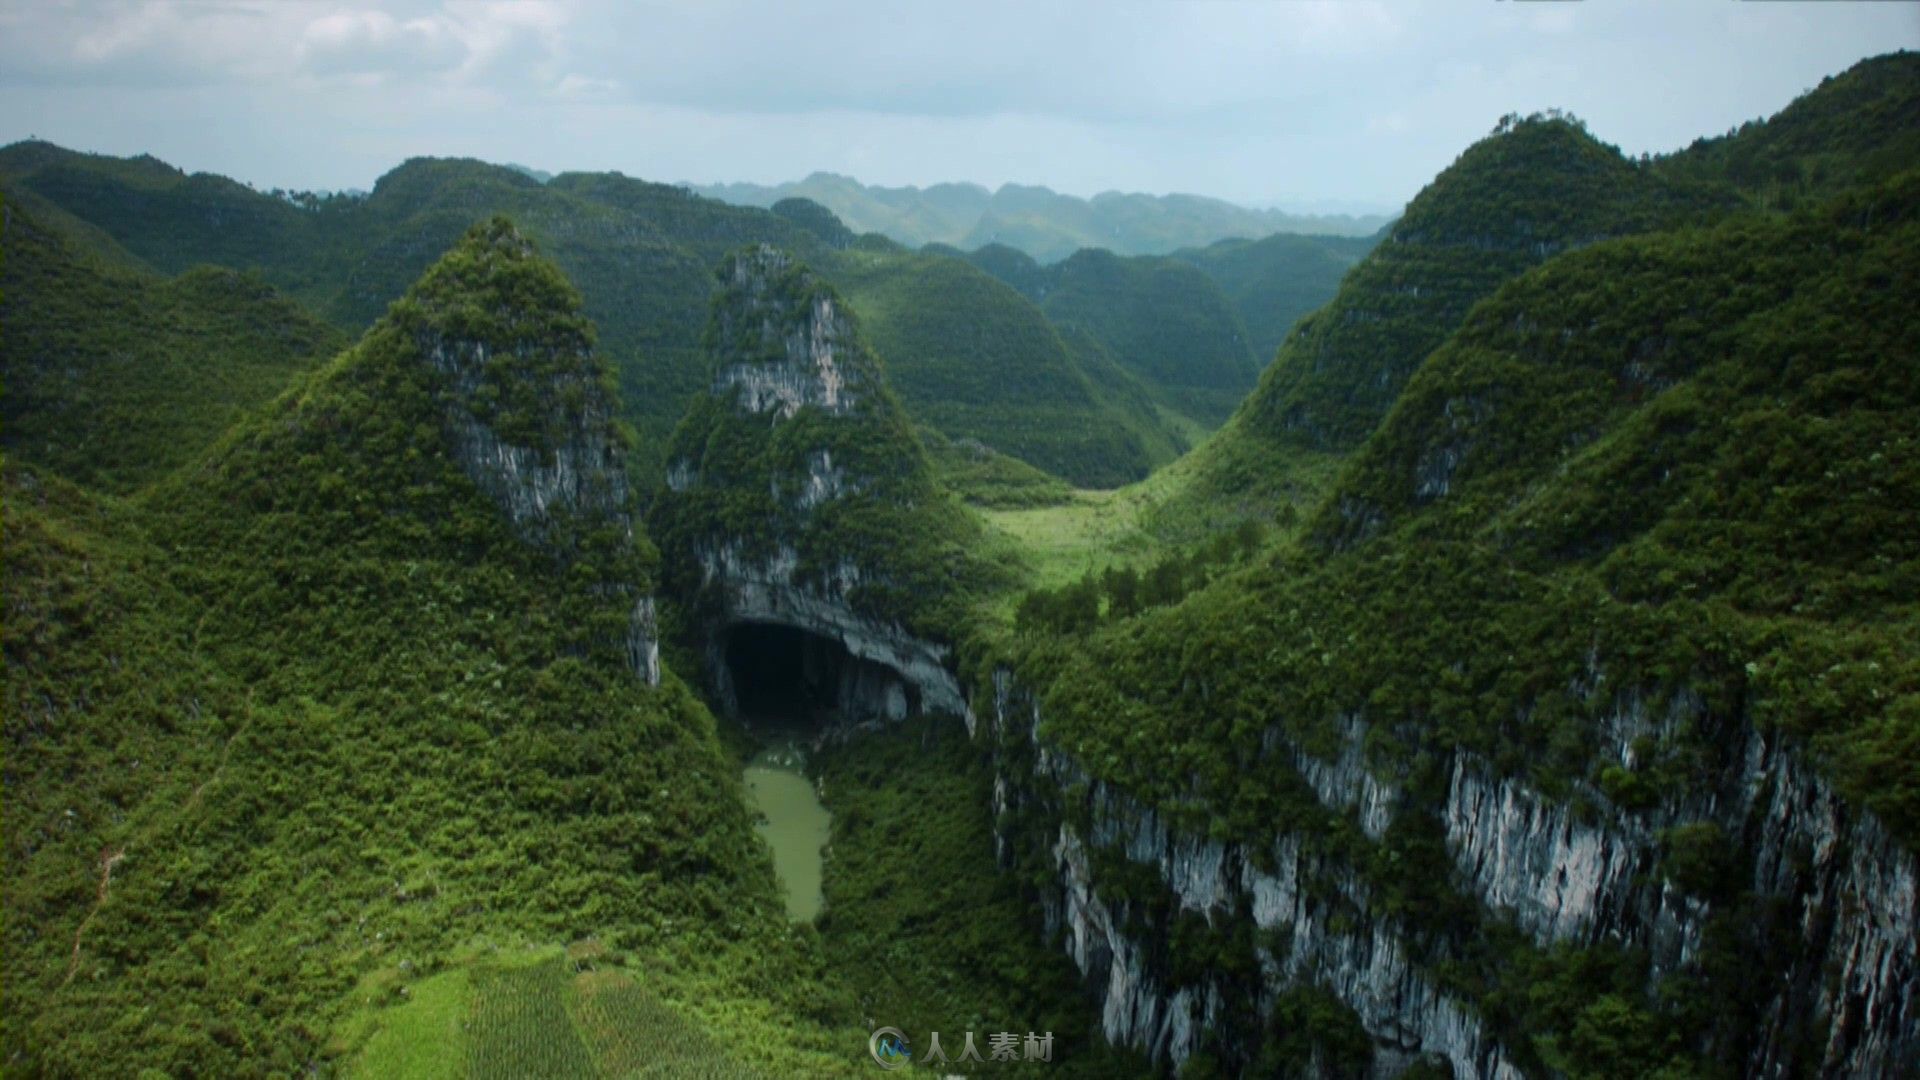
(797, 496)
(1847, 1000)
(897, 674)
(559, 474)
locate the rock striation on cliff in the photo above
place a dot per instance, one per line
(1844, 992)
(797, 495)
(527, 407)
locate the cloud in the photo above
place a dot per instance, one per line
(375, 43)
(1257, 101)
(134, 44)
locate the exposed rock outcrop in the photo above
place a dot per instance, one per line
(1846, 1002)
(798, 497)
(562, 472)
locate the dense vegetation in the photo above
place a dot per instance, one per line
(1169, 326)
(116, 375)
(315, 761)
(910, 546)
(984, 477)
(921, 919)
(309, 711)
(1861, 126)
(1274, 282)
(975, 360)
(1537, 187)
(1044, 224)
(1677, 464)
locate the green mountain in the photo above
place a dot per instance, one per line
(1162, 320)
(1536, 188)
(1042, 223)
(1274, 282)
(1675, 469)
(802, 452)
(116, 375)
(642, 255)
(1164, 323)
(1860, 126)
(975, 360)
(350, 700)
(1525, 681)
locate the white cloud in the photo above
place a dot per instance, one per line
(375, 43)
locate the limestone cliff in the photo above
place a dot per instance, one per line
(527, 407)
(1845, 1000)
(798, 496)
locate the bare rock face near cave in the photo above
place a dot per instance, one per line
(789, 488)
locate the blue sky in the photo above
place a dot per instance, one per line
(1327, 105)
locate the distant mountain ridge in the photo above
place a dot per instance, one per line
(1039, 221)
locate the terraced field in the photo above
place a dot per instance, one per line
(542, 1014)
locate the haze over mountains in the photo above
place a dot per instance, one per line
(1045, 224)
(1489, 647)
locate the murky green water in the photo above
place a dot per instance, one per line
(792, 819)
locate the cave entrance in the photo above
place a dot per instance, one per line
(775, 672)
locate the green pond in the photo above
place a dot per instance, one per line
(791, 817)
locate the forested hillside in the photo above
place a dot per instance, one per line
(1167, 324)
(1676, 470)
(973, 359)
(312, 711)
(1535, 188)
(1274, 282)
(1860, 126)
(642, 254)
(405, 595)
(116, 375)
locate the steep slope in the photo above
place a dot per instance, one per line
(1533, 189)
(1860, 126)
(642, 256)
(971, 357)
(1162, 327)
(799, 472)
(1274, 282)
(1009, 264)
(367, 690)
(1579, 735)
(908, 215)
(115, 375)
(1164, 321)
(168, 218)
(640, 252)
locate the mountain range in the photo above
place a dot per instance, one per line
(1518, 675)
(1043, 223)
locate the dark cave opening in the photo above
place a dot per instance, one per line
(784, 672)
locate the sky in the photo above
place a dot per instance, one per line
(1347, 105)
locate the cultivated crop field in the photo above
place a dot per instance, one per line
(548, 1014)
